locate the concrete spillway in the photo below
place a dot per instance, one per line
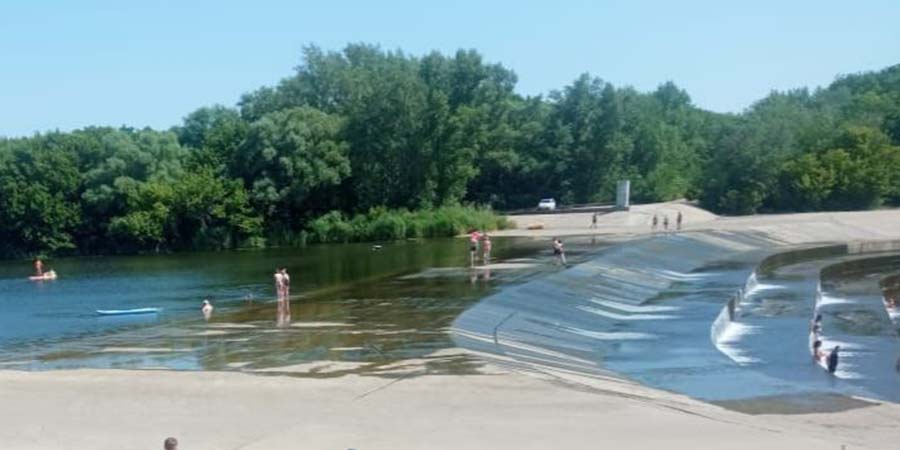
(715, 315)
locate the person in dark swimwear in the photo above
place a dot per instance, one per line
(833, 359)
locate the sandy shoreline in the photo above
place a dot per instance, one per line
(499, 408)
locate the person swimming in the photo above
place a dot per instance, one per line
(38, 267)
(833, 359)
(206, 309)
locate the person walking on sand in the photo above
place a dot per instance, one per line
(678, 220)
(473, 246)
(486, 246)
(654, 223)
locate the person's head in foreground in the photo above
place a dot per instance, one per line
(170, 444)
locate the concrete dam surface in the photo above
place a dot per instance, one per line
(722, 313)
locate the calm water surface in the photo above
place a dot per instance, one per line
(355, 308)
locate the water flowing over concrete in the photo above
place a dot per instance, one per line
(718, 315)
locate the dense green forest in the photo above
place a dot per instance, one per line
(353, 142)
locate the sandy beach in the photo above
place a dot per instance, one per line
(498, 408)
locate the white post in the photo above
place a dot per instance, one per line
(623, 191)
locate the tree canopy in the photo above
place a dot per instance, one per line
(364, 129)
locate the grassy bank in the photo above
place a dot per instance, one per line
(381, 224)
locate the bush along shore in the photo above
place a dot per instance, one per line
(381, 224)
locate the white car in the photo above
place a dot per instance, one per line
(548, 204)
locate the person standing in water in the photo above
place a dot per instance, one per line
(286, 290)
(206, 309)
(815, 325)
(678, 221)
(279, 293)
(473, 246)
(559, 252)
(279, 284)
(486, 246)
(38, 267)
(817, 353)
(833, 359)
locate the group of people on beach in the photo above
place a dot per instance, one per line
(819, 356)
(654, 223)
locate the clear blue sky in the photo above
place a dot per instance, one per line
(67, 64)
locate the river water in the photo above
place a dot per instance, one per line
(354, 308)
